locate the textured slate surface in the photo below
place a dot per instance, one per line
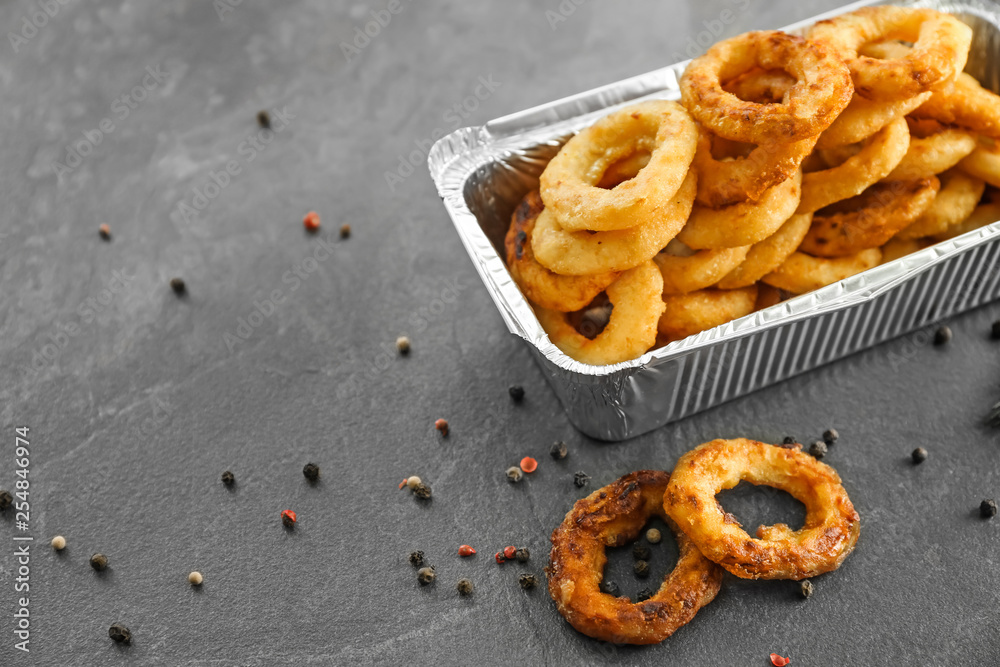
(134, 416)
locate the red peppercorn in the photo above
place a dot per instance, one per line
(288, 518)
(442, 425)
(311, 221)
(499, 558)
(466, 550)
(509, 552)
(529, 464)
(778, 661)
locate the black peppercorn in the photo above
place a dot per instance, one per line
(806, 589)
(641, 569)
(818, 449)
(527, 581)
(789, 440)
(830, 436)
(120, 634)
(422, 491)
(996, 330)
(942, 336)
(919, 455)
(178, 286)
(426, 575)
(464, 587)
(641, 552)
(988, 509)
(228, 478)
(580, 479)
(5, 500)
(644, 595)
(522, 555)
(345, 231)
(516, 392)
(559, 451)
(99, 562)
(264, 119)
(416, 558)
(311, 472)
(610, 588)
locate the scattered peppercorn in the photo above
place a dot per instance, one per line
(464, 587)
(522, 555)
(789, 440)
(442, 425)
(527, 581)
(499, 558)
(411, 482)
(228, 478)
(610, 588)
(996, 330)
(120, 634)
(516, 392)
(942, 335)
(806, 589)
(514, 474)
(644, 595)
(778, 661)
(653, 536)
(641, 569)
(264, 119)
(105, 231)
(919, 455)
(416, 558)
(403, 345)
(288, 518)
(988, 509)
(311, 222)
(311, 472)
(422, 491)
(195, 579)
(830, 436)
(559, 451)
(509, 552)
(178, 286)
(99, 562)
(426, 575)
(641, 552)
(5, 500)
(818, 449)
(345, 231)
(529, 464)
(58, 542)
(580, 479)
(466, 550)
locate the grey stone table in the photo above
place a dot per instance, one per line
(141, 115)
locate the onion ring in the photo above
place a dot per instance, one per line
(541, 286)
(983, 163)
(955, 202)
(897, 247)
(985, 215)
(863, 118)
(612, 516)
(932, 155)
(569, 183)
(688, 314)
(768, 254)
(803, 273)
(966, 104)
(821, 91)
(940, 49)
(879, 156)
(694, 272)
(638, 303)
(745, 223)
(582, 253)
(870, 219)
(831, 526)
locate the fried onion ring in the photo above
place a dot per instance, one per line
(568, 185)
(582, 253)
(543, 287)
(613, 516)
(803, 273)
(769, 254)
(983, 163)
(821, 91)
(638, 303)
(870, 219)
(897, 247)
(745, 223)
(688, 314)
(879, 156)
(682, 274)
(966, 104)
(940, 49)
(955, 201)
(863, 118)
(985, 215)
(778, 552)
(932, 155)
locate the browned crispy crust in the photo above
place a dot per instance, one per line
(831, 526)
(613, 516)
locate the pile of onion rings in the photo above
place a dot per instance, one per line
(790, 163)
